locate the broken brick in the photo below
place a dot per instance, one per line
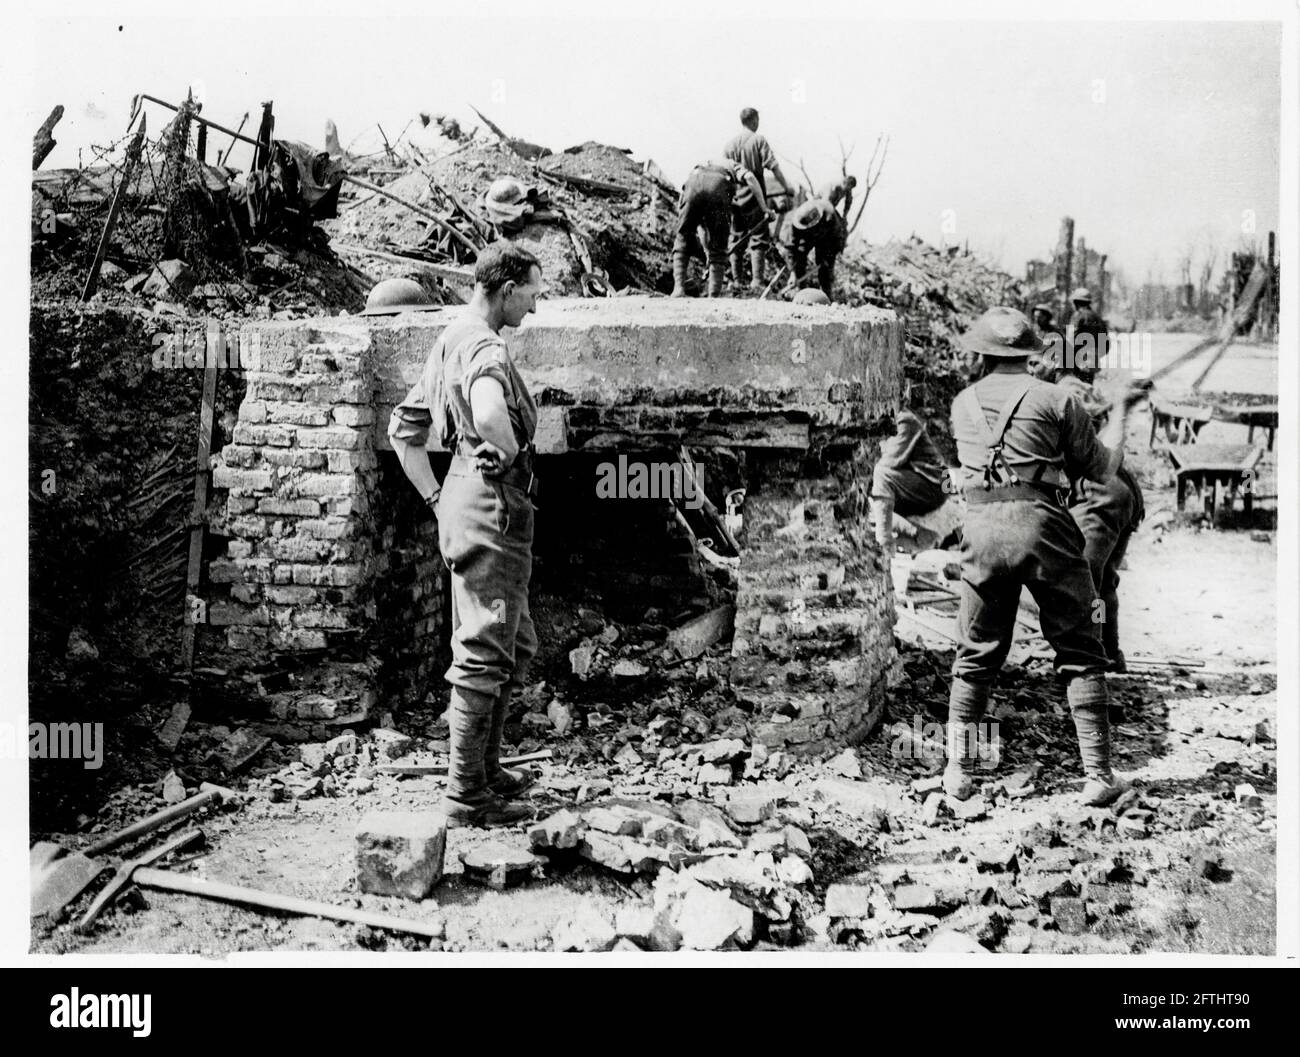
(1070, 915)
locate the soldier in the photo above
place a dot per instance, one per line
(1053, 340)
(753, 152)
(839, 193)
(1087, 332)
(909, 475)
(1107, 514)
(815, 228)
(718, 196)
(1019, 441)
(473, 399)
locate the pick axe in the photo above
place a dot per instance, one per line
(122, 879)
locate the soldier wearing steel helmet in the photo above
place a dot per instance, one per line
(814, 228)
(1086, 341)
(1020, 441)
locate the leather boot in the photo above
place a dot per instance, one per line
(469, 800)
(681, 262)
(738, 268)
(758, 266)
(504, 781)
(966, 704)
(717, 273)
(882, 520)
(1088, 700)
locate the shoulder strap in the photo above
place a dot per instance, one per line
(993, 436)
(1010, 408)
(996, 466)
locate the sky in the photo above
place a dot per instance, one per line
(1159, 138)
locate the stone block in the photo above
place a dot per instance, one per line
(400, 853)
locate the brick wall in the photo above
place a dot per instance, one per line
(331, 559)
(814, 639)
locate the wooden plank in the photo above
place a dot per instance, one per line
(128, 170)
(442, 271)
(417, 210)
(418, 769)
(44, 142)
(198, 515)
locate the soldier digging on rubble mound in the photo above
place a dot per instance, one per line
(719, 196)
(1019, 442)
(472, 397)
(1109, 512)
(813, 228)
(751, 149)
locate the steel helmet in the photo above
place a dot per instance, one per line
(810, 295)
(1002, 332)
(812, 213)
(1081, 294)
(506, 191)
(391, 296)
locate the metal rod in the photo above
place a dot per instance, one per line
(203, 120)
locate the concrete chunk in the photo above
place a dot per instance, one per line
(400, 853)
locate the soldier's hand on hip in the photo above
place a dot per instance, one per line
(490, 459)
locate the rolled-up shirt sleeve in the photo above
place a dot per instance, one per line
(412, 418)
(486, 360)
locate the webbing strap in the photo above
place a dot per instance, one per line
(996, 464)
(993, 436)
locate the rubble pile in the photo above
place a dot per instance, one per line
(938, 293)
(608, 215)
(191, 238)
(725, 875)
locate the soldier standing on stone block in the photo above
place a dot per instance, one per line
(751, 149)
(1020, 441)
(472, 397)
(718, 196)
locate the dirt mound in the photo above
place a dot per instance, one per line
(937, 294)
(620, 211)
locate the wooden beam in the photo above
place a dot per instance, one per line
(199, 511)
(418, 210)
(128, 171)
(442, 271)
(44, 142)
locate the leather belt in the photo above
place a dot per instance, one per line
(520, 475)
(1024, 491)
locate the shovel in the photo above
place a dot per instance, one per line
(60, 876)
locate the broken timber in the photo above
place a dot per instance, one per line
(147, 877)
(44, 142)
(418, 210)
(128, 171)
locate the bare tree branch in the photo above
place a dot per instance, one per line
(875, 166)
